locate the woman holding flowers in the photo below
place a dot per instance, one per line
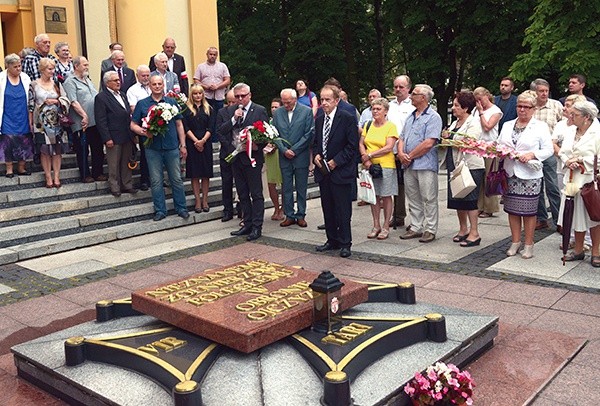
(489, 116)
(532, 143)
(198, 120)
(577, 156)
(375, 146)
(46, 99)
(466, 208)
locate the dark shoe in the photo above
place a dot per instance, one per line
(199, 210)
(595, 261)
(26, 173)
(301, 223)
(397, 223)
(572, 256)
(321, 227)
(130, 191)
(242, 231)
(226, 217)
(469, 243)
(254, 235)
(159, 216)
(101, 178)
(10, 175)
(427, 237)
(144, 186)
(57, 185)
(345, 252)
(559, 229)
(540, 225)
(410, 234)
(184, 214)
(325, 247)
(459, 238)
(115, 194)
(88, 179)
(206, 209)
(287, 222)
(484, 215)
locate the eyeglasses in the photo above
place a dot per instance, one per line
(241, 96)
(576, 115)
(524, 107)
(115, 80)
(417, 94)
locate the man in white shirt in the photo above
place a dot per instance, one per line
(137, 92)
(400, 109)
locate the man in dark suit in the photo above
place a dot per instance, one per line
(126, 75)
(295, 124)
(107, 63)
(335, 150)
(226, 169)
(248, 181)
(176, 63)
(113, 119)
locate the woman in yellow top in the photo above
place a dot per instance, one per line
(376, 143)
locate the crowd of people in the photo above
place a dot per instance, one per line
(55, 108)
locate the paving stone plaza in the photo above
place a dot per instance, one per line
(545, 352)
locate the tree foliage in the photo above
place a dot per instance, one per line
(448, 44)
(562, 38)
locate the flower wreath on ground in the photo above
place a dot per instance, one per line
(441, 385)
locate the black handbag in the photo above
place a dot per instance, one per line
(376, 171)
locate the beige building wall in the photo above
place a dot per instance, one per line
(140, 25)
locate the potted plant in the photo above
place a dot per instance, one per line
(441, 385)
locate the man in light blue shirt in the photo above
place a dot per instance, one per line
(417, 153)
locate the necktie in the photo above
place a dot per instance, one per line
(326, 130)
(120, 75)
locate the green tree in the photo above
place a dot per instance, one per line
(451, 44)
(562, 39)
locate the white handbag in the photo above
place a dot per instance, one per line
(461, 181)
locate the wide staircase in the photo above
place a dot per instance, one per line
(36, 221)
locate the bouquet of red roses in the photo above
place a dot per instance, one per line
(259, 132)
(156, 122)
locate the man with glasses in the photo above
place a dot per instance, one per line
(418, 157)
(247, 174)
(400, 109)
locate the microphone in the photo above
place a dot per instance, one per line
(240, 119)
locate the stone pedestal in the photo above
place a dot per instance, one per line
(244, 306)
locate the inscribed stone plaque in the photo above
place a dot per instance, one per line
(245, 306)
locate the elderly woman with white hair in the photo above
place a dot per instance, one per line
(577, 155)
(16, 143)
(531, 140)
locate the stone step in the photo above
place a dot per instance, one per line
(77, 230)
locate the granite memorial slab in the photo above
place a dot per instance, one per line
(244, 306)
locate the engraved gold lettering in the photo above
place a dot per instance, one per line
(149, 349)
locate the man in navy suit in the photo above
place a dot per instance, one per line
(248, 181)
(295, 124)
(113, 120)
(335, 152)
(175, 63)
(126, 75)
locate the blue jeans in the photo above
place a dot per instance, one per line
(551, 185)
(170, 160)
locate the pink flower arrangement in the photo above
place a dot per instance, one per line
(441, 385)
(471, 145)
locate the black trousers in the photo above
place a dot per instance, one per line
(83, 142)
(226, 186)
(336, 203)
(248, 182)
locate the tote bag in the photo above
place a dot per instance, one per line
(366, 190)
(461, 181)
